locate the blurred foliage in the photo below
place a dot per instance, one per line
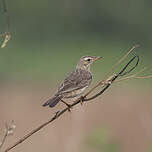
(48, 37)
(129, 19)
(149, 149)
(101, 141)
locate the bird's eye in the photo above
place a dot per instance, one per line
(89, 60)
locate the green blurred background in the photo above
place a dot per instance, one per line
(48, 38)
(56, 33)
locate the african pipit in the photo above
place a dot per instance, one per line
(76, 82)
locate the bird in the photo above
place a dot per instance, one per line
(75, 83)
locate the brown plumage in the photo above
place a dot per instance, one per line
(76, 82)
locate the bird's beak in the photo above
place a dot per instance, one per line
(97, 58)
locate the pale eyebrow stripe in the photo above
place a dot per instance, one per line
(86, 58)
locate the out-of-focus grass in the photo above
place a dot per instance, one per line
(101, 140)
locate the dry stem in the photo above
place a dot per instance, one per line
(7, 34)
(9, 130)
(135, 76)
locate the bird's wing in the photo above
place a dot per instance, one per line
(76, 80)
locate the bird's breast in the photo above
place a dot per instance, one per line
(75, 93)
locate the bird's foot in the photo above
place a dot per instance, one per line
(68, 105)
(81, 100)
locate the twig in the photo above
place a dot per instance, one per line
(9, 130)
(7, 38)
(7, 34)
(3, 140)
(84, 99)
(120, 61)
(6, 15)
(135, 76)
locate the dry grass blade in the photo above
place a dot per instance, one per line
(122, 59)
(135, 76)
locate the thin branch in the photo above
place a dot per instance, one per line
(80, 100)
(6, 15)
(9, 130)
(135, 76)
(3, 140)
(7, 34)
(144, 77)
(120, 61)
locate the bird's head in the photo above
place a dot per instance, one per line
(86, 61)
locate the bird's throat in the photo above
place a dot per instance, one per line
(83, 67)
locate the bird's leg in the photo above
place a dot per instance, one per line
(68, 105)
(81, 100)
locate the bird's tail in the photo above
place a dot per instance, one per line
(53, 101)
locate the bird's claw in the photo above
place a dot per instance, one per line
(81, 100)
(68, 105)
